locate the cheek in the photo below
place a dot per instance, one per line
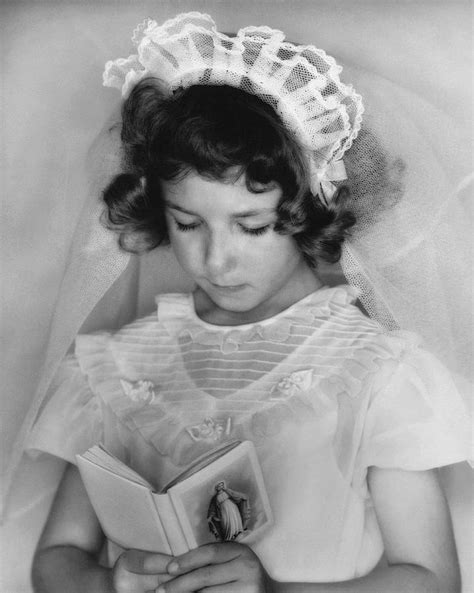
(280, 253)
(184, 248)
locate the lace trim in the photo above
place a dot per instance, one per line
(177, 313)
(182, 427)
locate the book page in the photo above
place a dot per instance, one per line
(125, 509)
(200, 463)
(226, 500)
(99, 456)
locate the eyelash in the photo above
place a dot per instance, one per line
(185, 227)
(254, 232)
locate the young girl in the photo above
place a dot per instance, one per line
(231, 147)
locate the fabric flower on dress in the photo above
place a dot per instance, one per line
(291, 385)
(289, 403)
(210, 430)
(141, 391)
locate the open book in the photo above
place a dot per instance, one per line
(220, 497)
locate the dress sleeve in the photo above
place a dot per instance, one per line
(71, 421)
(416, 419)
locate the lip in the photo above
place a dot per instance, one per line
(228, 287)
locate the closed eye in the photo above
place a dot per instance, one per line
(186, 227)
(257, 231)
(247, 230)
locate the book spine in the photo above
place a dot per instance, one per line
(171, 524)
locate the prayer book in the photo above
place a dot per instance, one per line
(220, 497)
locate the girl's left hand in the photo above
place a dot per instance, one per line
(217, 568)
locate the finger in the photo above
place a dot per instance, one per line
(130, 582)
(234, 587)
(207, 554)
(206, 576)
(141, 562)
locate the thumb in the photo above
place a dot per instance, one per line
(142, 562)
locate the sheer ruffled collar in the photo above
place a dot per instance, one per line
(178, 315)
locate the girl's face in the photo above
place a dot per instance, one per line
(223, 237)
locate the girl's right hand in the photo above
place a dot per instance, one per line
(137, 571)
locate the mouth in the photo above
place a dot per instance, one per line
(228, 287)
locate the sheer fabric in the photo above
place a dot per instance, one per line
(326, 393)
(418, 112)
(410, 254)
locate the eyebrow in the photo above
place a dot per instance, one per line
(243, 214)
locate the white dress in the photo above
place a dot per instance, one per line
(321, 390)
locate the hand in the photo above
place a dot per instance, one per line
(217, 568)
(137, 571)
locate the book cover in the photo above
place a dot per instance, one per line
(220, 497)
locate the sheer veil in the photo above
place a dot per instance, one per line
(409, 172)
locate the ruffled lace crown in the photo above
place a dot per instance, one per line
(300, 82)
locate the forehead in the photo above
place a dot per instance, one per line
(200, 194)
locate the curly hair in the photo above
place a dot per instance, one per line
(215, 130)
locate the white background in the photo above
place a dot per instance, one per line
(53, 105)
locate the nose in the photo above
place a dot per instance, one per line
(220, 255)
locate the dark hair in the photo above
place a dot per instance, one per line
(215, 130)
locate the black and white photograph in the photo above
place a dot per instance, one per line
(237, 296)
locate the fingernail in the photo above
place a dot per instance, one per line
(173, 568)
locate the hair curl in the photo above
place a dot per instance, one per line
(215, 130)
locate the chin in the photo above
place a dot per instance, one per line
(235, 303)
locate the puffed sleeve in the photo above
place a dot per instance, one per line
(416, 419)
(71, 421)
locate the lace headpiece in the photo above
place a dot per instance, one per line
(300, 82)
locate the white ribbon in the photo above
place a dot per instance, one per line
(321, 180)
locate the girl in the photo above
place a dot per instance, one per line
(231, 147)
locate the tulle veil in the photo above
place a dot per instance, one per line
(409, 171)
